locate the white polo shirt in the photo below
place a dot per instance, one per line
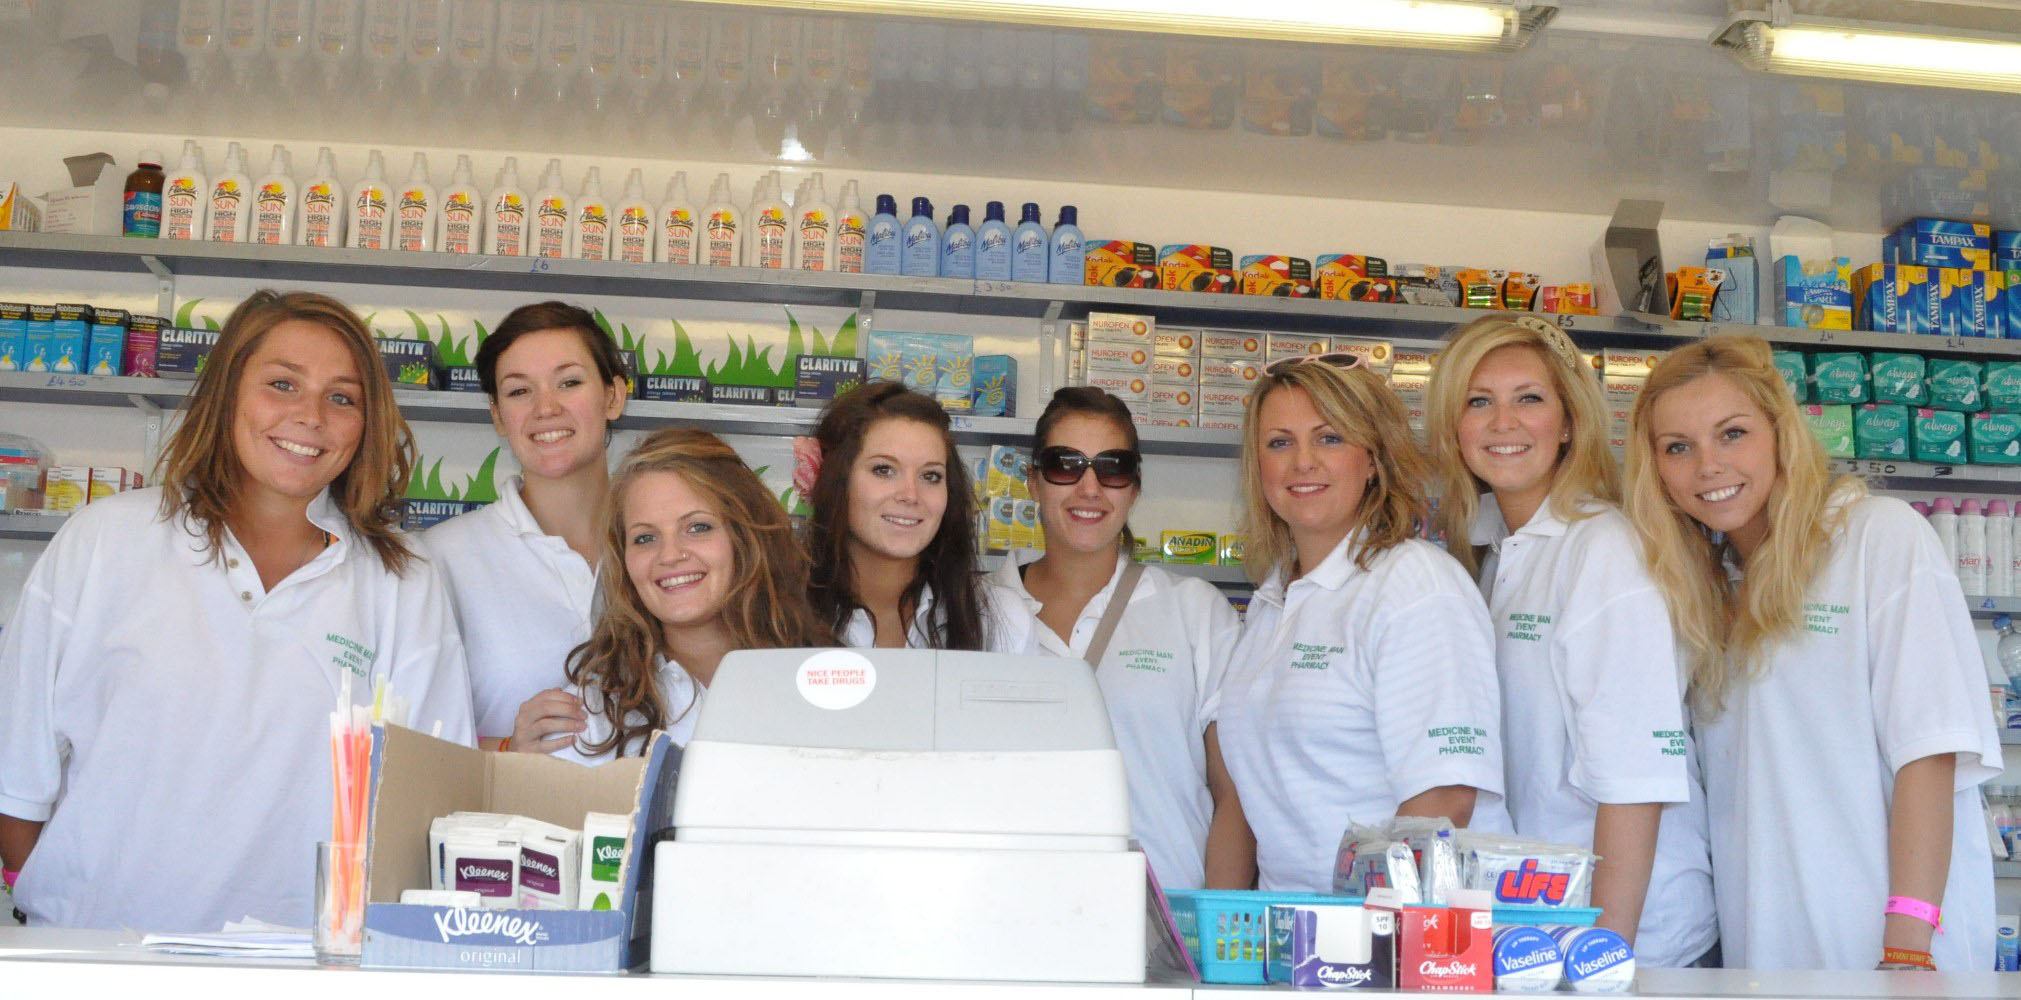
(683, 698)
(522, 598)
(1161, 678)
(1593, 705)
(1351, 691)
(1007, 625)
(1800, 767)
(167, 717)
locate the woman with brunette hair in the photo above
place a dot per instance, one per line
(169, 675)
(893, 532)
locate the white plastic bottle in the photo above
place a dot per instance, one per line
(1999, 550)
(721, 226)
(415, 220)
(371, 222)
(770, 226)
(814, 229)
(505, 213)
(634, 227)
(590, 237)
(552, 210)
(459, 227)
(674, 227)
(323, 204)
(852, 228)
(277, 202)
(185, 196)
(1972, 548)
(1944, 518)
(231, 200)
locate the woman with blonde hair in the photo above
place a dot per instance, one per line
(1838, 690)
(1363, 686)
(1592, 694)
(703, 562)
(169, 675)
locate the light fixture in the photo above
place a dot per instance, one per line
(1776, 41)
(1439, 24)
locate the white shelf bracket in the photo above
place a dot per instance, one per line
(866, 316)
(164, 286)
(151, 423)
(1052, 360)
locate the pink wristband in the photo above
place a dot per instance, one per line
(9, 877)
(1911, 907)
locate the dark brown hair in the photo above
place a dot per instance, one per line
(550, 315)
(765, 608)
(200, 471)
(1088, 401)
(948, 564)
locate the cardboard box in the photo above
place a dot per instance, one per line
(1189, 548)
(36, 355)
(1192, 267)
(1938, 436)
(1230, 372)
(1218, 400)
(1940, 243)
(1897, 298)
(143, 340)
(464, 378)
(1176, 344)
(70, 338)
(419, 778)
(1629, 364)
(1128, 386)
(182, 351)
(1233, 346)
(1994, 438)
(1353, 278)
(1833, 426)
(1621, 392)
(1628, 261)
(1184, 396)
(1955, 384)
(1115, 356)
(92, 206)
(1899, 378)
(740, 395)
(1120, 264)
(1413, 361)
(66, 487)
(1881, 430)
(1277, 275)
(1411, 389)
(1739, 282)
(1817, 295)
(420, 515)
(1169, 370)
(1294, 345)
(818, 378)
(994, 388)
(1376, 354)
(1426, 285)
(1966, 299)
(1125, 328)
(2007, 250)
(677, 388)
(1447, 949)
(13, 335)
(17, 212)
(107, 350)
(1338, 946)
(409, 363)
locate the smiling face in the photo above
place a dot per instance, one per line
(678, 552)
(552, 407)
(1512, 426)
(1715, 452)
(1312, 477)
(897, 489)
(298, 414)
(1087, 516)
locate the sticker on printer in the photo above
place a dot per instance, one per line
(836, 679)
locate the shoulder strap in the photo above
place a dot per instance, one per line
(1112, 616)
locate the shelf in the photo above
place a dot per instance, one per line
(2007, 869)
(2010, 737)
(1913, 475)
(30, 527)
(1987, 607)
(1867, 340)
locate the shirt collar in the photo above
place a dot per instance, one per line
(1491, 530)
(512, 507)
(1332, 573)
(1008, 577)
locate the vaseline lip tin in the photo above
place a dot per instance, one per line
(1597, 960)
(1527, 960)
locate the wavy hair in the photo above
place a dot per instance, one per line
(766, 606)
(1583, 468)
(200, 472)
(1725, 629)
(1362, 408)
(949, 562)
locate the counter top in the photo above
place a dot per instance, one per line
(54, 963)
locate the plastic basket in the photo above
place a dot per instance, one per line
(1225, 929)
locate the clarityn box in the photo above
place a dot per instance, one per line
(1839, 377)
(409, 363)
(1954, 384)
(1817, 295)
(13, 335)
(1234, 346)
(107, 353)
(1899, 378)
(1881, 430)
(740, 395)
(677, 388)
(1795, 372)
(1833, 426)
(1940, 243)
(143, 339)
(1277, 275)
(1192, 267)
(420, 515)
(35, 357)
(819, 378)
(419, 778)
(994, 392)
(2001, 387)
(1340, 946)
(1994, 438)
(70, 338)
(1897, 298)
(1937, 436)
(182, 352)
(464, 378)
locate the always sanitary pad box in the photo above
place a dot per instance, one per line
(420, 778)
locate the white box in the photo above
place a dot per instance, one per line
(1175, 397)
(1632, 364)
(1621, 392)
(1165, 418)
(1116, 356)
(1223, 400)
(1128, 386)
(17, 211)
(1295, 345)
(1176, 343)
(1169, 369)
(1413, 361)
(1233, 372)
(1122, 327)
(1219, 422)
(93, 206)
(1376, 354)
(1411, 389)
(1246, 346)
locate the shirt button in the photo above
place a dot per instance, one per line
(231, 564)
(245, 595)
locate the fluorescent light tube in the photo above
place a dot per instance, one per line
(1883, 53)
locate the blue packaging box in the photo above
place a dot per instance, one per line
(740, 395)
(13, 335)
(941, 365)
(108, 341)
(819, 378)
(996, 386)
(420, 515)
(35, 356)
(1740, 284)
(70, 338)
(462, 378)
(408, 362)
(676, 388)
(1897, 298)
(182, 351)
(2007, 250)
(1940, 243)
(1814, 294)
(1966, 309)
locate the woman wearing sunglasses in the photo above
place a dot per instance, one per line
(1157, 641)
(1363, 686)
(1592, 693)
(892, 537)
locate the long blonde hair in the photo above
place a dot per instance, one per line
(1725, 629)
(1363, 409)
(1583, 470)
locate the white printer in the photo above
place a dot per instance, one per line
(901, 813)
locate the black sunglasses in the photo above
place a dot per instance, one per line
(1062, 466)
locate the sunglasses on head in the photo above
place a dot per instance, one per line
(1338, 359)
(1063, 466)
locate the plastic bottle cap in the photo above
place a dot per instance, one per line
(2002, 621)
(887, 205)
(1920, 507)
(1996, 508)
(1069, 216)
(958, 215)
(1942, 506)
(1971, 508)
(921, 206)
(1031, 212)
(993, 212)
(150, 158)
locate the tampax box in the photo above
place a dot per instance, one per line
(1817, 295)
(1839, 377)
(1967, 296)
(1937, 436)
(143, 339)
(1899, 378)
(107, 353)
(2002, 387)
(1353, 278)
(1955, 384)
(1274, 274)
(1192, 267)
(1238, 346)
(409, 363)
(13, 335)
(182, 351)
(1940, 243)
(676, 388)
(1994, 438)
(2007, 250)
(1795, 372)
(819, 378)
(70, 338)
(1833, 425)
(1337, 946)
(419, 778)
(1127, 328)
(1897, 298)
(1881, 430)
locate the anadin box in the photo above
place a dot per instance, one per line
(420, 778)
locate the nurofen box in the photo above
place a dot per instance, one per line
(1184, 396)
(1897, 298)
(1230, 372)
(1242, 346)
(676, 388)
(995, 392)
(1127, 328)
(1795, 372)
(1128, 386)
(1353, 278)
(1192, 267)
(1295, 345)
(1621, 392)
(1274, 274)
(2001, 387)
(1937, 436)
(1156, 416)
(1413, 361)
(70, 338)
(1176, 343)
(13, 335)
(1632, 364)
(1940, 243)
(1116, 356)
(1220, 400)
(1411, 389)
(1954, 384)
(107, 352)
(143, 340)
(1899, 378)
(1839, 377)
(35, 357)
(1994, 438)
(1172, 370)
(1330, 946)
(1881, 430)
(1817, 295)
(1376, 354)
(1833, 426)
(181, 351)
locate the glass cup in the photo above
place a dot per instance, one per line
(338, 930)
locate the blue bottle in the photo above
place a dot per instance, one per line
(1066, 263)
(992, 245)
(957, 245)
(881, 240)
(1029, 246)
(919, 256)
